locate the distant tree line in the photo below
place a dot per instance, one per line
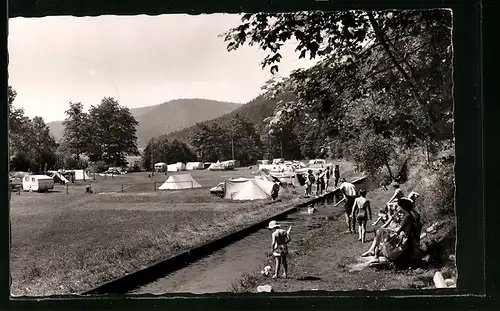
(105, 134)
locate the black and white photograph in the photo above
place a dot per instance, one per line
(232, 153)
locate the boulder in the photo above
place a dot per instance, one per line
(264, 289)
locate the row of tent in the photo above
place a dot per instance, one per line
(234, 189)
(190, 166)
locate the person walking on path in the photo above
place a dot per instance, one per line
(336, 174)
(360, 212)
(348, 190)
(279, 247)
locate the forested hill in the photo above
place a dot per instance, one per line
(167, 117)
(254, 111)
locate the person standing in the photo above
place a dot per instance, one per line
(336, 174)
(328, 175)
(349, 192)
(275, 191)
(279, 247)
(321, 182)
(310, 183)
(360, 212)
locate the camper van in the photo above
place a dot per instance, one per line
(38, 183)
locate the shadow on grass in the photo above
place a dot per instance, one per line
(309, 278)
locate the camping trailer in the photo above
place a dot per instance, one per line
(38, 183)
(160, 166)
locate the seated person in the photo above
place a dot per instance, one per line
(404, 240)
(398, 194)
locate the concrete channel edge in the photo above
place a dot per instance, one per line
(124, 284)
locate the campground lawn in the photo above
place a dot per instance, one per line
(68, 243)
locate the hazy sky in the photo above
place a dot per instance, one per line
(141, 60)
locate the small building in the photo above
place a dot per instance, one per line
(38, 183)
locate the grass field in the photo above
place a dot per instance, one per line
(66, 243)
(70, 242)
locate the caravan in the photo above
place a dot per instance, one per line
(38, 183)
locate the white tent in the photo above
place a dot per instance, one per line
(59, 175)
(179, 166)
(194, 166)
(181, 181)
(81, 175)
(216, 167)
(252, 189)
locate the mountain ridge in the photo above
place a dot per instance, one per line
(164, 118)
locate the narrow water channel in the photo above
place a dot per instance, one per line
(216, 272)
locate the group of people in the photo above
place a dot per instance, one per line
(318, 183)
(399, 236)
(397, 239)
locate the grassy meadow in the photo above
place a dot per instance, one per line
(67, 243)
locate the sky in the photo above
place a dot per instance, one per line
(140, 60)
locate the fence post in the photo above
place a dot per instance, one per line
(66, 189)
(122, 187)
(154, 185)
(19, 191)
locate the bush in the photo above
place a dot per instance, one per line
(136, 167)
(98, 167)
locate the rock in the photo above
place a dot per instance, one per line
(264, 288)
(439, 280)
(449, 282)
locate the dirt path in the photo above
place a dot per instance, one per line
(326, 259)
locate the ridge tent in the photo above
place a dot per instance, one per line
(252, 189)
(181, 181)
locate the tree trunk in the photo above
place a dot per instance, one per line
(386, 161)
(413, 83)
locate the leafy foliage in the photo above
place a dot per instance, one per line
(163, 150)
(76, 134)
(384, 74)
(31, 146)
(113, 133)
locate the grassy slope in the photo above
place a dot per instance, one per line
(66, 243)
(167, 117)
(329, 254)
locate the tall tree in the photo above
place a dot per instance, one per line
(76, 130)
(44, 145)
(211, 142)
(113, 132)
(366, 54)
(244, 140)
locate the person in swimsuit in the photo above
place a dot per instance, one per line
(407, 230)
(279, 247)
(361, 211)
(349, 192)
(393, 201)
